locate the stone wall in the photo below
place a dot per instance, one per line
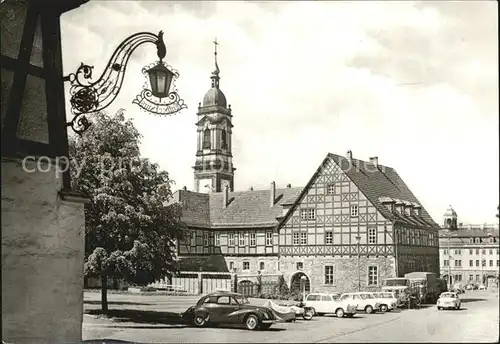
(42, 258)
(345, 271)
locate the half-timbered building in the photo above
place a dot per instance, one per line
(353, 224)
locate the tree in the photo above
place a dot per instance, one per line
(130, 233)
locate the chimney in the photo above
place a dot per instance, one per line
(288, 186)
(273, 193)
(184, 188)
(374, 160)
(349, 155)
(225, 196)
(251, 188)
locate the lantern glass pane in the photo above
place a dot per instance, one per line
(161, 83)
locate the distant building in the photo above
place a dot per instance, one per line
(349, 208)
(469, 253)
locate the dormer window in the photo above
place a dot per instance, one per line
(206, 139)
(223, 139)
(408, 210)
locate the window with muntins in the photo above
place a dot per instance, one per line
(471, 252)
(246, 265)
(372, 236)
(217, 239)
(303, 238)
(252, 239)
(471, 263)
(328, 237)
(231, 239)
(296, 238)
(269, 238)
(328, 274)
(261, 266)
(308, 214)
(491, 263)
(446, 262)
(205, 239)
(241, 240)
(330, 189)
(231, 266)
(372, 275)
(299, 265)
(354, 210)
(477, 262)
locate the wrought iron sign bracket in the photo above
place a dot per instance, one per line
(89, 96)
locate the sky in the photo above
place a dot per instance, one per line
(414, 83)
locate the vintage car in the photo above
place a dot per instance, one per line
(365, 301)
(448, 300)
(329, 304)
(229, 308)
(387, 301)
(289, 313)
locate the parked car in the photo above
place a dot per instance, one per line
(447, 300)
(482, 287)
(387, 301)
(365, 301)
(290, 312)
(229, 308)
(329, 304)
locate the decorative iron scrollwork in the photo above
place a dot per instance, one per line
(89, 96)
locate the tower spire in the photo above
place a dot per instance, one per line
(215, 74)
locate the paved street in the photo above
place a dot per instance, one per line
(476, 322)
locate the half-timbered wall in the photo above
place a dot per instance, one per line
(319, 239)
(332, 229)
(417, 250)
(236, 242)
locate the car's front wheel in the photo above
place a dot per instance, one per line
(439, 308)
(251, 322)
(339, 313)
(200, 321)
(383, 308)
(369, 309)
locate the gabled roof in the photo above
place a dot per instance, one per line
(246, 209)
(374, 182)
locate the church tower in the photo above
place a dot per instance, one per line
(213, 169)
(450, 219)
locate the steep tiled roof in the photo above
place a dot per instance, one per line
(245, 208)
(382, 181)
(249, 208)
(376, 182)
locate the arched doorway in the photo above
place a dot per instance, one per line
(246, 288)
(295, 282)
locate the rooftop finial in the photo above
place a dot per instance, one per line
(215, 74)
(217, 71)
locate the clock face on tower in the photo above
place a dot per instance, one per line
(224, 183)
